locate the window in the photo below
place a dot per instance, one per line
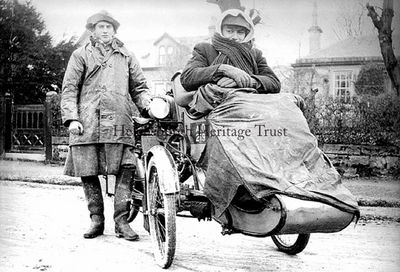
(170, 50)
(162, 56)
(161, 87)
(343, 85)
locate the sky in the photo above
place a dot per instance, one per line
(282, 36)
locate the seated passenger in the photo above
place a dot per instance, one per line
(263, 147)
(231, 60)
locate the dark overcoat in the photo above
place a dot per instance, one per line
(200, 70)
(99, 91)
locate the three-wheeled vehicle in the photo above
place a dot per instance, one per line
(167, 181)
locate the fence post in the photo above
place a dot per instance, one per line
(5, 122)
(48, 116)
(2, 123)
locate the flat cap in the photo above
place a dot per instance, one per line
(101, 16)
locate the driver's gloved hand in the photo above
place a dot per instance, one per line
(242, 79)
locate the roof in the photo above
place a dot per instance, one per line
(165, 36)
(188, 42)
(144, 49)
(365, 48)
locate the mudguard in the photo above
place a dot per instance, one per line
(168, 175)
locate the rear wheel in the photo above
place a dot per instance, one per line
(291, 243)
(162, 219)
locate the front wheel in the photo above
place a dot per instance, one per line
(162, 218)
(291, 243)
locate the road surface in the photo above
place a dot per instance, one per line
(41, 229)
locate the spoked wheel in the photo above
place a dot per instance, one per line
(162, 219)
(291, 243)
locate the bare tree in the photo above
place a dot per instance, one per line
(383, 23)
(349, 23)
(352, 21)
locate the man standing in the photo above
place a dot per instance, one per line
(101, 83)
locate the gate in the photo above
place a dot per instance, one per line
(28, 128)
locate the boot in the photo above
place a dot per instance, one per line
(96, 227)
(123, 230)
(121, 205)
(94, 198)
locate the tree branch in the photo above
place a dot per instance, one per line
(374, 16)
(384, 26)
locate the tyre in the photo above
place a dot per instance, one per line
(162, 219)
(291, 243)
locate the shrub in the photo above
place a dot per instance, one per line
(373, 120)
(371, 80)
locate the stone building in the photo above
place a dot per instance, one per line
(334, 69)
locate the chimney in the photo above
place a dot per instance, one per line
(315, 32)
(211, 26)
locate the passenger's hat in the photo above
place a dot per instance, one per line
(101, 16)
(236, 20)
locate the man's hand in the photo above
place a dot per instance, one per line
(242, 79)
(226, 82)
(75, 128)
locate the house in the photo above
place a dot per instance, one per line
(334, 70)
(336, 67)
(360, 136)
(162, 57)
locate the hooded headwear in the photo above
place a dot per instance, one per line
(236, 17)
(237, 21)
(101, 16)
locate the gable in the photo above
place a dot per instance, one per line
(165, 38)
